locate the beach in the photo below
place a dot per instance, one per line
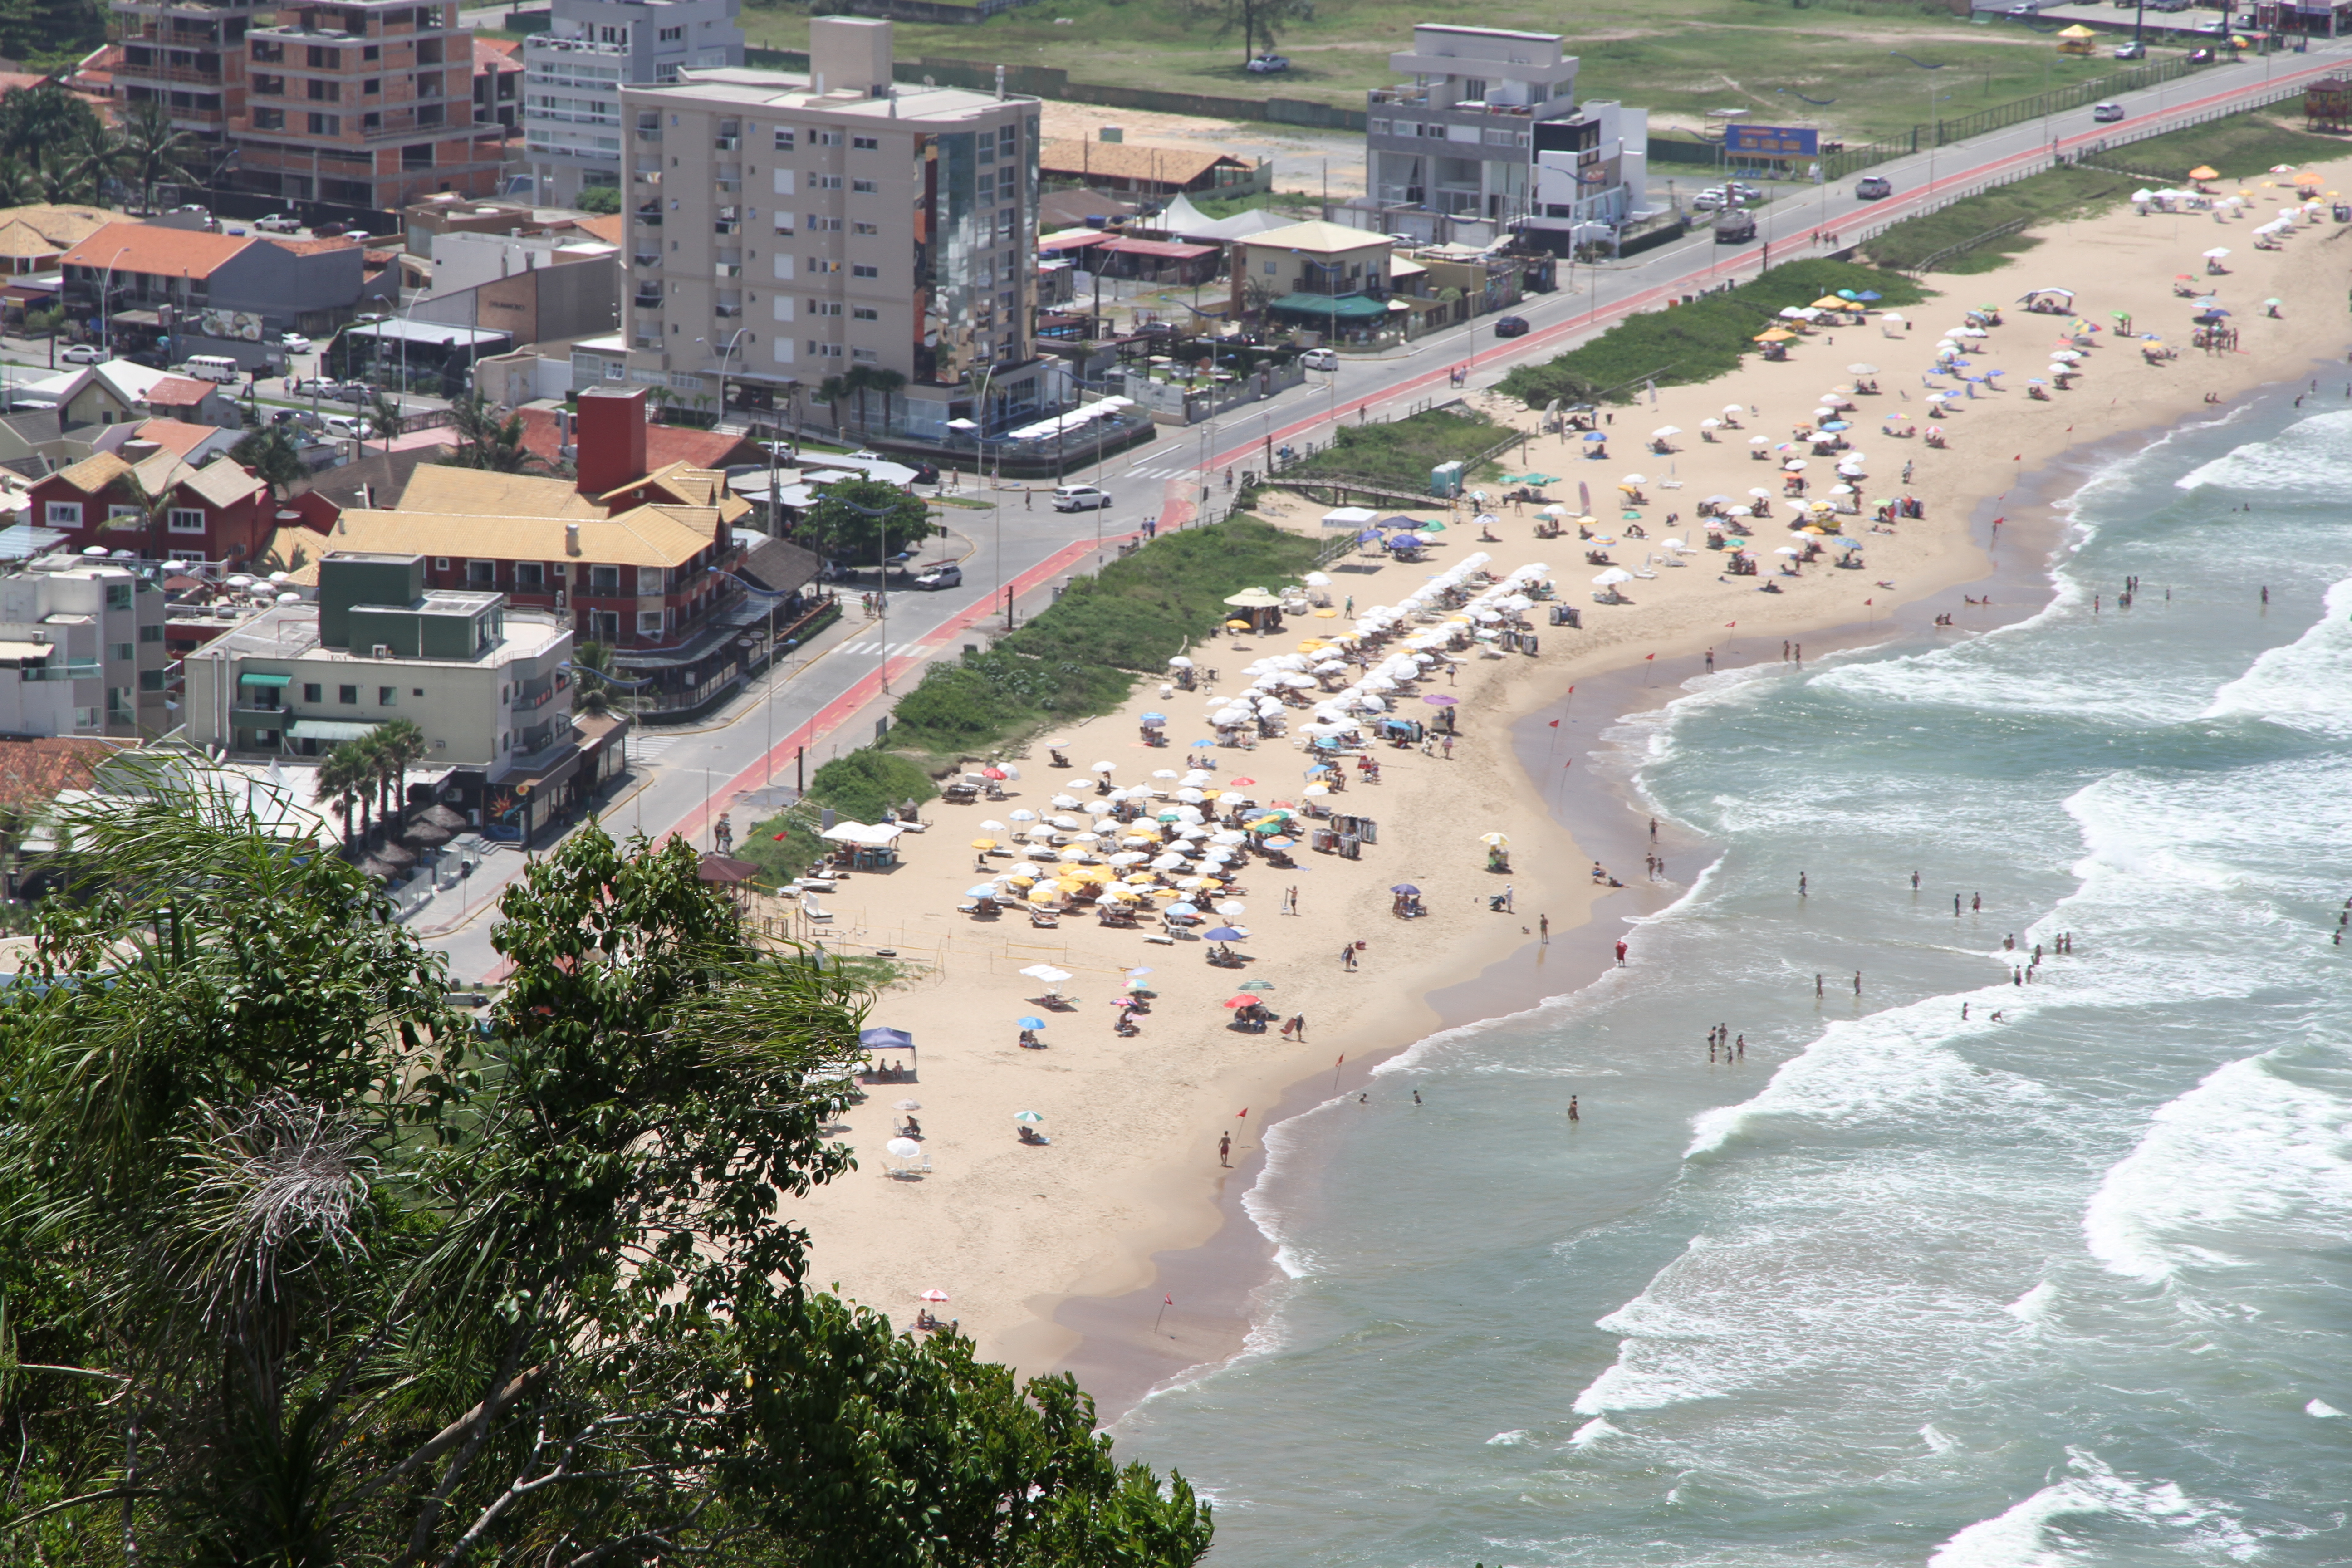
(1062, 1254)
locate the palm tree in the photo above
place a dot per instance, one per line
(394, 748)
(484, 441)
(887, 383)
(272, 457)
(344, 772)
(833, 392)
(385, 413)
(591, 664)
(151, 149)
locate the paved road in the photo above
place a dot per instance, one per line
(831, 699)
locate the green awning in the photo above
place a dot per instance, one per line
(254, 678)
(1351, 307)
(330, 730)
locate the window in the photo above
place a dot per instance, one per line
(150, 681)
(325, 125)
(481, 573)
(530, 575)
(824, 351)
(268, 85)
(123, 652)
(372, 52)
(865, 229)
(864, 356)
(604, 579)
(866, 314)
(373, 86)
(649, 623)
(820, 267)
(825, 181)
(186, 519)
(321, 91)
(313, 692)
(671, 36)
(323, 59)
(347, 694)
(117, 595)
(1269, 270)
(120, 508)
(417, 692)
(65, 514)
(1008, 137)
(783, 139)
(825, 225)
(387, 696)
(269, 119)
(824, 307)
(863, 270)
(824, 138)
(150, 634)
(868, 142)
(785, 222)
(865, 187)
(440, 564)
(649, 579)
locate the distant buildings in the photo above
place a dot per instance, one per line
(146, 498)
(1111, 165)
(1488, 138)
(233, 295)
(786, 231)
(81, 649)
(574, 71)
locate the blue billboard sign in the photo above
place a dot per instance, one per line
(1771, 141)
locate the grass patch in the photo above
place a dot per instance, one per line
(2244, 145)
(1399, 455)
(1694, 342)
(1278, 201)
(862, 785)
(1812, 64)
(1081, 655)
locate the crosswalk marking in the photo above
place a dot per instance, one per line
(887, 650)
(1159, 472)
(644, 748)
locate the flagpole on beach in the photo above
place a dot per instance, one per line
(1335, 1072)
(1166, 1302)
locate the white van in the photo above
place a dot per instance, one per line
(212, 367)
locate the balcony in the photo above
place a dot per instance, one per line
(548, 44)
(647, 299)
(727, 143)
(645, 259)
(650, 135)
(650, 217)
(728, 270)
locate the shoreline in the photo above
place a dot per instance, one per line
(1222, 1281)
(1061, 1257)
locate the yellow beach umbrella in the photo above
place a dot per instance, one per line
(1237, 626)
(1045, 895)
(2204, 172)
(983, 844)
(1326, 614)
(1777, 335)
(1832, 302)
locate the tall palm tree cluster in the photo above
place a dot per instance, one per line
(365, 775)
(54, 147)
(837, 390)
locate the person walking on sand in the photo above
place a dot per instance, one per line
(1620, 950)
(1801, 890)
(1446, 745)
(1347, 957)
(1543, 928)
(1224, 1148)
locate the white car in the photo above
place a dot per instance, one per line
(295, 343)
(1079, 498)
(347, 426)
(83, 353)
(1319, 359)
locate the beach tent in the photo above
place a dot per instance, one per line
(1348, 517)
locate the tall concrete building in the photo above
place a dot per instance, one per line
(786, 230)
(81, 649)
(188, 55)
(573, 73)
(366, 103)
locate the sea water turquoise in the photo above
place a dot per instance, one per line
(2067, 1281)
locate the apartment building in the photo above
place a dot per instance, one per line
(365, 103)
(1591, 175)
(1458, 141)
(574, 71)
(81, 649)
(489, 686)
(188, 55)
(786, 230)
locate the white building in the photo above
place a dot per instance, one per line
(81, 649)
(786, 230)
(1487, 138)
(490, 686)
(573, 73)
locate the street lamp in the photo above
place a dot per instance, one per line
(722, 368)
(106, 303)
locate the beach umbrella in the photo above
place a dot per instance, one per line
(986, 890)
(1404, 887)
(2218, 252)
(1614, 575)
(1029, 1117)
(1733, 409)
(1594, 435)
(934, 1297)
(1025, 814)
(983, 844)
(1182, 908)
(904, 1149)
(885, 1039)
(1046, 973)
(1631, 480)
(1663, 431)
(1028, 1023)
(1256, 985)
(1786, 550)
(1861, 370)
(1223, 933)
(906, 1105)
(1759, 440)
(1440, 699)
(1495, 840)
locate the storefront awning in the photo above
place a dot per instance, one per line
(1347, 307)
(328, 730)
(255, 677)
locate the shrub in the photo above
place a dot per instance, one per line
(1693, 343)
(1400, 454)
(782, 847)
(864, 784)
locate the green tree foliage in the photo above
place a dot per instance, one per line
(302, 1269)
(862, 785)
(1255, 20)
(1694, 342)
(48, 35)
(603, 200)
(35, 120)
(1400, 454)
(842, 525)
(486, 441)
(1081, 655)
(274, 459)
(149, 149)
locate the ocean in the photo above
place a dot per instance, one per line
(2066, 1282)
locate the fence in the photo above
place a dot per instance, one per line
(1944, 133)
(1936, 259)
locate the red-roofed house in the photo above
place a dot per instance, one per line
(212, 293)
(217, 512)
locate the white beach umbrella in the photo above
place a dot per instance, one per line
(1614, 575)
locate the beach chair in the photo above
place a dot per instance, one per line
(810, 911)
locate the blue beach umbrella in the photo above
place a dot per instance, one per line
(1029, 1023)
(1594, 435)
(1180, 908)
(1153, 719)
(1404, 887)
(1223, 933)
